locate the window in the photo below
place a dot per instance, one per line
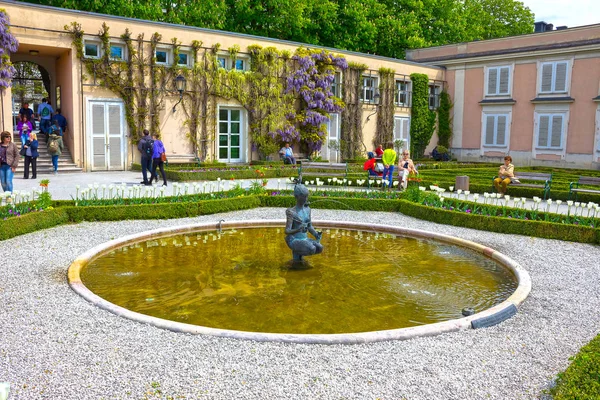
(240, 65)
(402, 131)
(336, 87)
(222, 61)
(554, 77)
(117, 52)
(402, 97)
(92, 49)
(162, 56)
(550, 129)
(434, 96)
(496, 130)
(498, 81)
(367, 93)
(183, 59)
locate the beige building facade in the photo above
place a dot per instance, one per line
(534, 97)
(98, 136)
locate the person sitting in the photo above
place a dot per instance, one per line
(505, 175)
(371, 165)
(379, 151)
(287, 154)
(405, 168)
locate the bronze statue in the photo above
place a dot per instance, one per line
(298, 224)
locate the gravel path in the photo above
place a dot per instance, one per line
(56, 345)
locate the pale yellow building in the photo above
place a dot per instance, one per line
(99, 136)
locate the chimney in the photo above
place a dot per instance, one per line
(549, 27)
(561, 28)
(540, 26)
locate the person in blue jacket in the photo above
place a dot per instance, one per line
(31, 155)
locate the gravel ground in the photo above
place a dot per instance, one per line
(56, 345)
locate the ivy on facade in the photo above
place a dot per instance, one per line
(351, 139)
(444, 120)
(385, 116)
(422, 122)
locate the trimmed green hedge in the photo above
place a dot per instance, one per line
(32, 222)
(582, 379)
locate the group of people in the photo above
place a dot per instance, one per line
(381, 163)
(154, 156)
(53, 124)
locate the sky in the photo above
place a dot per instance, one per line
(565, 12)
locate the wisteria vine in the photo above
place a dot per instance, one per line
(312, 82)
(8, 45)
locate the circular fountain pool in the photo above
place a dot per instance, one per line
(370, 282)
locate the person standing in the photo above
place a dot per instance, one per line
(31, 155)
(158, 157)
(55, 129)
(9, 161)
(146, 148)
(55, 148)
(505, 173)
(24, 127)
(389, 160)
(45, 114)
(62, 121)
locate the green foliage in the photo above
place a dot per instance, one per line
(351, 140)
(444, 121)
(384, 132)
(382, 27)
(422, 122)
(582, 379)
(32, 222)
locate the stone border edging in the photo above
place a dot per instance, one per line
(518, 296)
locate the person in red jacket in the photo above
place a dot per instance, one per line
(371, 165)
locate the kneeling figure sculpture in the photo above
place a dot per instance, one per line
(298, 223)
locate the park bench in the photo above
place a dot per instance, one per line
(545, 179)
(584, 181)
(323, 169)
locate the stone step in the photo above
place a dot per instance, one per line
(44, 161)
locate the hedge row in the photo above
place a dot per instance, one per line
(582, 379)
(68, 213)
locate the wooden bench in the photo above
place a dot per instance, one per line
(533, 176)
(324, 169)
(584, 180)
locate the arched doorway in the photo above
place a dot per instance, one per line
(30, 85)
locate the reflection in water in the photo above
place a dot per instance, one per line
(241, 279)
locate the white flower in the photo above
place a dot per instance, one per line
(507, 197)
(422, 188)
(523, 200)
(549, 201)
(349, 183)
(577, 204)
(459, 191)
(559, 202)
(590, 205)
(451, 188)
(569, 203)
(486, 194)
(77, 187)
(476, 196)
(467, 192)
(218, 179)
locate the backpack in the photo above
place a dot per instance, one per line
(45, 112)
(147, 148)
(53, 147)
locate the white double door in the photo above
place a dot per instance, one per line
(332, 153)
(106, 133)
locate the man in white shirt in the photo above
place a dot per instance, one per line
(288, 154)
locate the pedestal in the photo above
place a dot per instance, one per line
(462, 183)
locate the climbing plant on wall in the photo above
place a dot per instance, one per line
(8, 45)
(444, 120)
(385, 115)
(422, 123)
(311, 82)
(351, 139)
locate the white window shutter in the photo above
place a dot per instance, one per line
(489, 129)
(557, 125)
(405, 122)
(501, 130)
(332, 126)
(543, 130)
(397, 128)
(560, 82)
(492, 80)
(504, 75)
(546, 77)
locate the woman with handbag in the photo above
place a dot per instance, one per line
(31, 154)
(159, 156)
(9, 161)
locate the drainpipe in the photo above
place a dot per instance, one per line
(81, 124)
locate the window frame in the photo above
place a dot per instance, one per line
(551, 114)
(169, 56)
(398, 93)
(398, 119)
(98, 47)
(336, 85)
(496, 113)
(498, 69)
(364, 89)
(437, 90)
(187, 54)
(123, 51)
(554, 64)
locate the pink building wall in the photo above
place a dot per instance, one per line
(473, 92)
(584, 87)
(523, 89)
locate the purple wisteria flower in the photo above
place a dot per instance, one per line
(8, 45)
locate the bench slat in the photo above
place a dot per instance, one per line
(588, 180)
(585, 190)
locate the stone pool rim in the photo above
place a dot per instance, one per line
(499, 311)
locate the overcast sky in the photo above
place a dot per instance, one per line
(565, 12)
